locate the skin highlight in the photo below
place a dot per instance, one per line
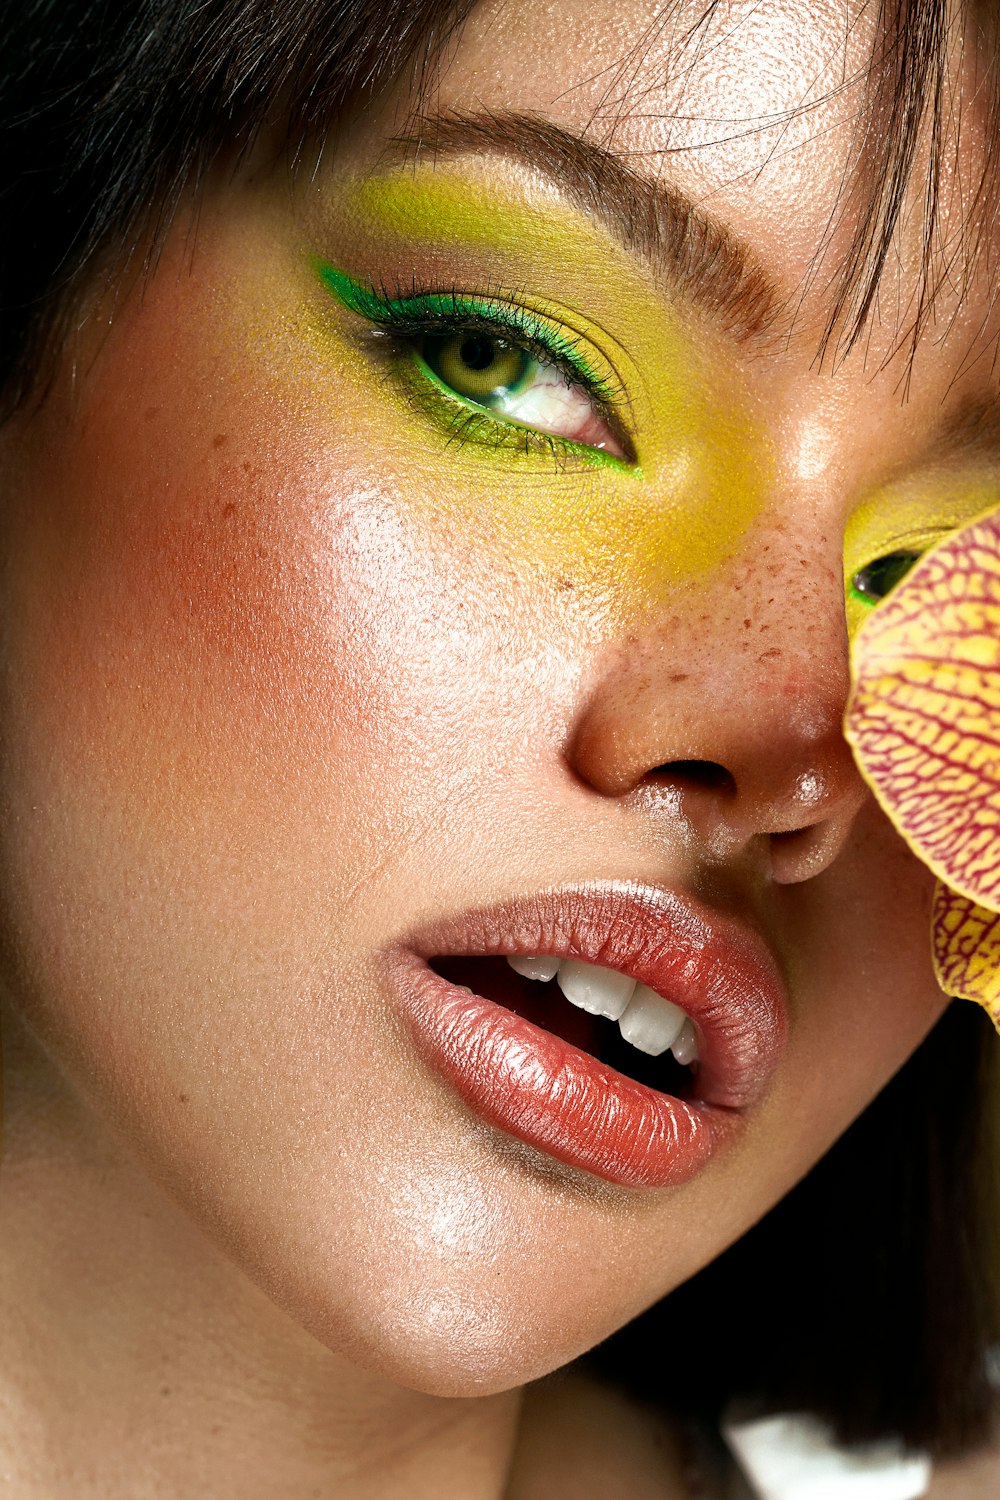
(286, 676)
(697, 438)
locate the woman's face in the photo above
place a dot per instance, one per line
(312, 649)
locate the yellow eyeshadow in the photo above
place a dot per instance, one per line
(623, 544)
(620, 536)
(910, 517)
(428, 206)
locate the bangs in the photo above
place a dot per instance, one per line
(111, 109)
(918, 111)
(928, 120)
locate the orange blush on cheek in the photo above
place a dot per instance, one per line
(184, 574)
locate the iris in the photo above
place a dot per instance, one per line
(881, 576)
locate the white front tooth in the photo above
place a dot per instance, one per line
(602, 992)
(539, 966)
(651, 1023)
(685, 1049)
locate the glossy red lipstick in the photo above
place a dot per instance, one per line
(544, 1091)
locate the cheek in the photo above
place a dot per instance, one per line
(164, 594)
(860, 969)
(201, 611)
(217, 644)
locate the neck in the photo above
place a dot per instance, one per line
(137, 1357)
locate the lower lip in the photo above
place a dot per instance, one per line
(544, 1091)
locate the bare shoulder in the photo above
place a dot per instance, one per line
(973, 1478)
(581, 1440)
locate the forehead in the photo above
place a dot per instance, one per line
(762, 114)
(739, 104)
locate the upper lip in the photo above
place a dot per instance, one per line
(716, 967)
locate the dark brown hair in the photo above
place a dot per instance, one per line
(867, 1295)
(109, 109)
(864, 1295)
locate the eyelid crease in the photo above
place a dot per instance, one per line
(918, 539)
(652, 218)
(424, 312)
(914, 538)
(418, 311)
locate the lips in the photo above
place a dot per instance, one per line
(550, 1094)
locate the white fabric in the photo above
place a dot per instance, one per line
(792, 1457)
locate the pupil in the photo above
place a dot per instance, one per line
(477, 352)
(475, 364)
(881, 576)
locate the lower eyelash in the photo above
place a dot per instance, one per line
(399, 317)
(468, 423)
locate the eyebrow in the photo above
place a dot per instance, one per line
(659, 223)
(654, 220)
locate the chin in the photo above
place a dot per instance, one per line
(460, 1328)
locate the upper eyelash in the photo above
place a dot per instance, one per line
(424, 311)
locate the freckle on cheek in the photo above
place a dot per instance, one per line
(169, 576)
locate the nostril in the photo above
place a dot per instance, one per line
(707, 774)
(786, 836)
(797, 854)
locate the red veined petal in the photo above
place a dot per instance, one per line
(966, 946)
(924, 714)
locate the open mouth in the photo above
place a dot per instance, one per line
(623, 1024)
(621, 1029)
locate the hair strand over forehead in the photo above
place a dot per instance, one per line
(110, 109)
(917, 113)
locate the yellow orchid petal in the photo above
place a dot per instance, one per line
(924, 714)
(966, 945)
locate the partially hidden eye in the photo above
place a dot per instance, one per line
(879, 577)
(505, 378)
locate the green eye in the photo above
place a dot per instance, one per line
(878, 578)
(476, 365)
(528, 373)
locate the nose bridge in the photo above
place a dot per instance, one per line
(746, 671)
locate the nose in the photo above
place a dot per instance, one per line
(732, 700)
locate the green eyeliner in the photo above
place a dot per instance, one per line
(381, 308)
(430, 313)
